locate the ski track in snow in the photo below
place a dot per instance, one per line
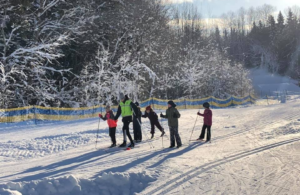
(254, 150)
(42, 146)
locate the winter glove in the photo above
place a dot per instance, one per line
(161, 115)
(100, 115)
(198, 113)
(175, 115)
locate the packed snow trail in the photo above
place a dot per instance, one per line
(254, 150)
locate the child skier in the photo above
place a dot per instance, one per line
(207, 122)
(112, 124)
(172, 115)
(137, 132)
(153, 121)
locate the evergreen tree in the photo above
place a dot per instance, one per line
(218, 38)
(280, 21)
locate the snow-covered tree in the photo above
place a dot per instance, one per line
(101, 81)
(28, 54)
(208, 72)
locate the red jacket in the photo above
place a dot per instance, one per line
(109, 116)
(207, 117)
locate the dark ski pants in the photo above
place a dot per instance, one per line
(157, 124)
(126, 131)
(174, 135)
(112, 134)
(137, 132)
(203, 132)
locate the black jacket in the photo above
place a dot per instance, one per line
(152, 117)
(138, 115)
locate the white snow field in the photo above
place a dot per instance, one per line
(254, 150)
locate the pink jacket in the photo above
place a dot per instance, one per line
(207, 117)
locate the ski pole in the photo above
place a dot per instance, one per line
(151, 145)
(194, 127)
(162, 137)
(97, 134)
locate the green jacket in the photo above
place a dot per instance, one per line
(126, 108)
(172, 115)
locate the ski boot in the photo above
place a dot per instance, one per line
(112, 146)
(131, 145)
(123, 145)
(152, 136)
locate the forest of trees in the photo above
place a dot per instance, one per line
(260, 38)
(85, 52)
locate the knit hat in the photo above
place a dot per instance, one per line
(172, 103)
(206, 105)
(148, 108)
(122, 96)
(137, 104)
(107, 107)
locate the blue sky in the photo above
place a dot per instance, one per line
(217, 7)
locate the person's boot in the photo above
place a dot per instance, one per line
(113, 145)
(131, 145)
(123, 144)
(179, 146)
(171, 146)
(163, 133)
(152, 136)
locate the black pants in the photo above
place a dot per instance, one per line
(203, 132)
(112, 134)
(174, 135)
(126, 131)
(137, 131)
(157, 124)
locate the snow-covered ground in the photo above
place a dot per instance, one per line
(254, 150)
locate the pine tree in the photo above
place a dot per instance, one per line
(218, 38)
(280, 21)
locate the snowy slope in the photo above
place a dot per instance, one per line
(266, 83)
(254, 150)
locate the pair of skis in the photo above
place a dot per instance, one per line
(197, 140)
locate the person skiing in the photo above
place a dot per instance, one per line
(137, 132)
(172, 115)
(112, 124)
(153, 121)
(127, 108)
(207, 122)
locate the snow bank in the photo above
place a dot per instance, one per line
(108, 183)
(9, 192)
